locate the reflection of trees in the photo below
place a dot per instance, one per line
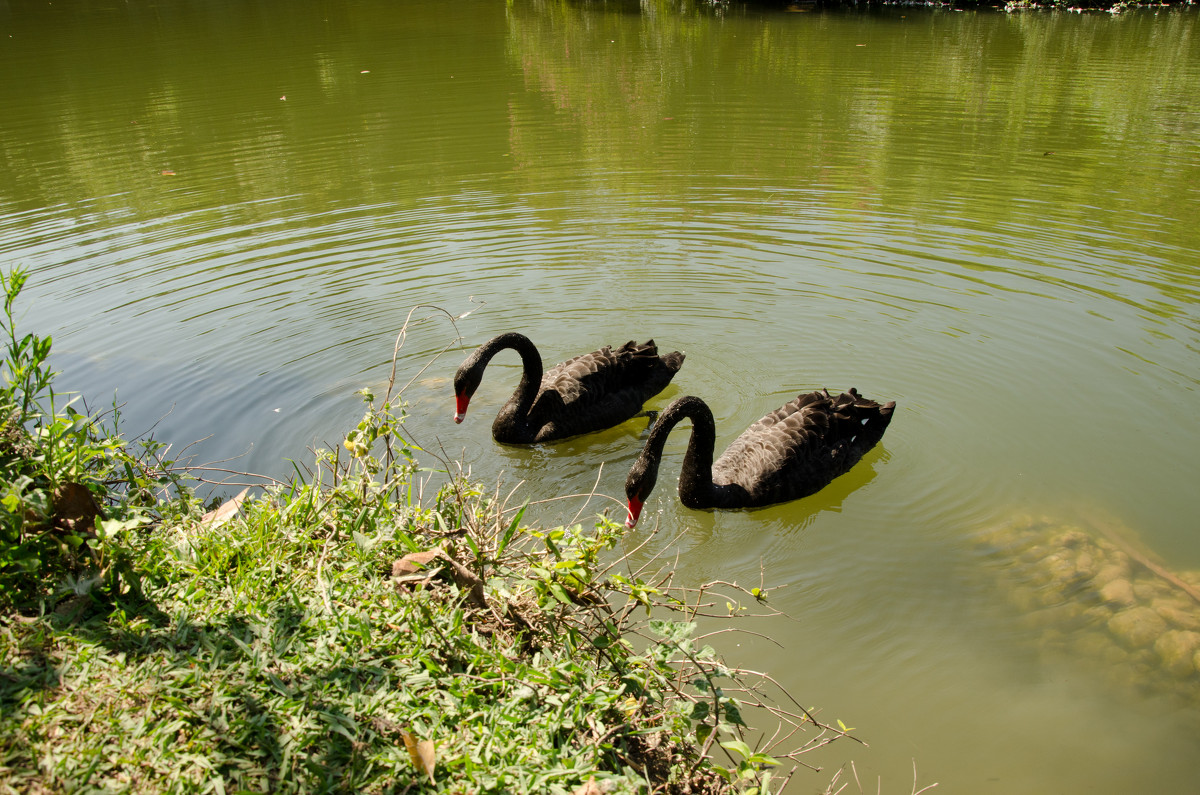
(379, 102)
(908, 107)
(897, 109)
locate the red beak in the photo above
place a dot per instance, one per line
(460, 409)
(635, 510)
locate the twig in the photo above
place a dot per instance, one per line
(923, 789)
(400, 338)
(599, 472)
(1162, 572)
(740, 631)
(272, 480)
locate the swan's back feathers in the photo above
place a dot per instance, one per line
(800, 447)
(600, 389)
(630, 365)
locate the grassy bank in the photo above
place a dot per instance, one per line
(343, 632)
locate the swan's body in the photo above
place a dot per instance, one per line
(792, 452)
(588, 393)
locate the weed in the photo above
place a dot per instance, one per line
(73, 493)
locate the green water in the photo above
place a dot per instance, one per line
(993, 219)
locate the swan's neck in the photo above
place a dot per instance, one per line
(531, 377)
(696, 489)
(513, 420)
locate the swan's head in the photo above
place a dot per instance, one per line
(466, 381)
(639, 484)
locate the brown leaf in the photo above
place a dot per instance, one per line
(422, 578)
(589, 787)
(415, 562)
(224, 512)
(75, 507)
(421, 753)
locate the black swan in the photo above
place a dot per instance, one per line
(588, 393)
(792, 452)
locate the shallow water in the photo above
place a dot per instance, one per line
(992, 219)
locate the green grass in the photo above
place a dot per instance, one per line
(272, 653)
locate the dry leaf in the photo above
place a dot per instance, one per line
(421, 753)
(224, 512)
(424, 577)
(419, 562)
(415, 562)
(75, 507)
(589, 787)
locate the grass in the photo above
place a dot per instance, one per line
(339, 633)
(245, 672)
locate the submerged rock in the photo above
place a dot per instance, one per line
(1119, 592)
(1137, 627)
(1177, 649)
(1177, 613)
(1090, 591)
(1111, 571)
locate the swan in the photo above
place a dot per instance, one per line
(588, 393)
(792, 452)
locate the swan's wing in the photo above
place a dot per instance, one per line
(603, 388)
(800, 447)
(608, 370)
(767, 459)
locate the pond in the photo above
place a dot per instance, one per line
(993, 219)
